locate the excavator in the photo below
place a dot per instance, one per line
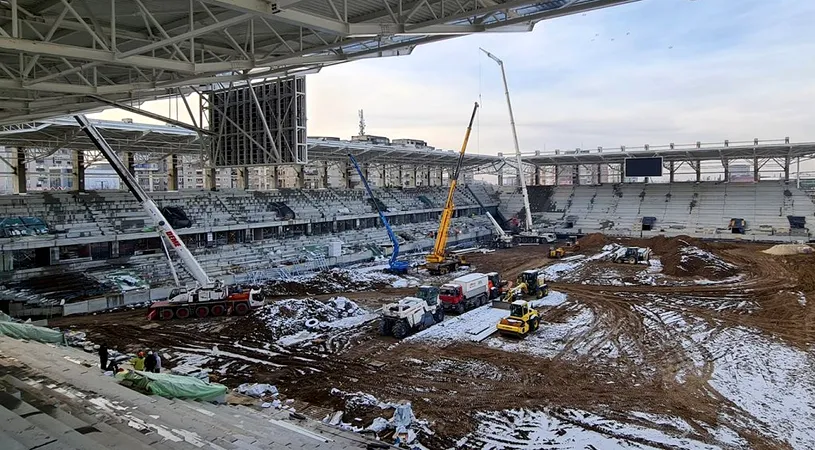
(438, 262)
(207, 297)
(394, 264)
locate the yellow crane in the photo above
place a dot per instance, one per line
(438, 262)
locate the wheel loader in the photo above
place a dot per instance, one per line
(530, 282)
(523, 319)
(557, 253)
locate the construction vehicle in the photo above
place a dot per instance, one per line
(495, 285)
(394, 265)
(502, 239)
(529, 283)
(207, 297)
(412, 314)
(557, 253)
(438, 262)
(528, 235)
(631, 255)
(523, 319)
(465, 293)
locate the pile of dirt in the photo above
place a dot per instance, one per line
(333, 281)
(789, 249)
(287, 317)
(593, 241)
(684, 256)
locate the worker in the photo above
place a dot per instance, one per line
(150, 362)
(103, 356)
(138, 361)
(158, 362)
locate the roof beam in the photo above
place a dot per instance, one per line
(154, 116)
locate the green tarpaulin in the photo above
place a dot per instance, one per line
(175, 386)
(31, 332)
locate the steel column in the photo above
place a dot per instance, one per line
(78, 171)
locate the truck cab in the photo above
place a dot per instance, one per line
(465, 292)
(496, 287)
(429, 294)
(450, 295)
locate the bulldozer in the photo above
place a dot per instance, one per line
(523, 319)
(557, 253)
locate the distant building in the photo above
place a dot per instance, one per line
(418, 143)
(371, 139)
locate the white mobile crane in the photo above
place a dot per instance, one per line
(528, 235)
(207, 297)
(502, 239)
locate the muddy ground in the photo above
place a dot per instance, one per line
(629, 355)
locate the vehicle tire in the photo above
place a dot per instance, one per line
(540, 293)
(182, 313)
(460, 308)
(241, 309)
(217, 310)
(400, 329)
(484, 300)
(534, 324)
(166, 314)
(439, 316)
(201, 311)
(443, 271)
(384, 328)
(312, 323)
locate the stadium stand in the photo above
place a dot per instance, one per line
(701, 209)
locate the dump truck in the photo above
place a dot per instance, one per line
(412, 314)
(465, 293)
(523, 319)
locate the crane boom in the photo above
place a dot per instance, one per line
(437, 256)
(393, 263)
(501, 233)
(521, 180)
(162, 226)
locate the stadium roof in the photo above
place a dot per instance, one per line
(61, 57)
(64, 132)
(691, 152)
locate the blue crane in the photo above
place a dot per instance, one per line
(399, 267)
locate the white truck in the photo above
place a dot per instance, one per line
(411, 314)
(465, 293)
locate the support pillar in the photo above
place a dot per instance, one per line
(114, 249)
(7, 261)
(500, 179)
(576, 175)
(20, 181)
(698, 171)
(441, 176)
(557, 175)
(129, 159)
(537, 175)
(210, 179)
(275, 178)
(346, 175)
(671, 171)
(726, 165)
(243, 179)
(599, 172)
(399, 171)
(325, 174)
(787, 168)
(299, 177)
(78, 171)
(414, 183)
(172, 173)
(755, 169)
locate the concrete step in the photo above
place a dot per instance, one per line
(9, 443)
(25, 433)
(43, 421)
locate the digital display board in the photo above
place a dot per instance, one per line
(643, 167)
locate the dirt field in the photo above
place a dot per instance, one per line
(709, 347)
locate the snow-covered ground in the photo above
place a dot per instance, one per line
(476, 324)
(572, 429)
(773, 382)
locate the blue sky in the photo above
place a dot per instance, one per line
(655, 71)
